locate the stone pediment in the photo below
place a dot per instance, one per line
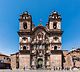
(39, 28)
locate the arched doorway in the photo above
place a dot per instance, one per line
(39, 63)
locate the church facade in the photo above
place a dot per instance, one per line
(40, 47)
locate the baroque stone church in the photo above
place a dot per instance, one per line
(40, 46)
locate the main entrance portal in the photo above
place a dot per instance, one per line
(39, 63)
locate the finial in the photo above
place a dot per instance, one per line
(26, 12)
(40, 24)
(40, 20)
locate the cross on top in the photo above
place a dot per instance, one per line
(40, 21)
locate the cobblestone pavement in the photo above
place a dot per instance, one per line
(39, 70)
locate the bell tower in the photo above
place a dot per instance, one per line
(25, 27)
(54, 21)
(25, 22)
(24, 30)
(55, 39)
(54, 27)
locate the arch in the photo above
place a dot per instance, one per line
(24, 38)
(24, 47)
(55, 25)
(40, 35)
(55, 38)
(39, 63)
(55, 47)
(25, 25)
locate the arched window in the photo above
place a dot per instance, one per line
(55, 38)
(55, 25)
(40, 36)
(24, 47)
(24, 38)
(55, 47)
(25, 25)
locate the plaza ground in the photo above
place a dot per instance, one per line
(8, 70)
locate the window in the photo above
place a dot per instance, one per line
(25, 25)
(55, 47)
(23, 17)
(54, 25)
(24, 47)
(39, 35)
(4, 57)
(24, 38)
(55, 38)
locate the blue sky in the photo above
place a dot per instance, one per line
(39, 9)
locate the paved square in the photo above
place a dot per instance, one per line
(8, 70)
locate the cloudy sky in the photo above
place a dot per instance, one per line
(39, 9)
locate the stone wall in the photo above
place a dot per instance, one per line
(68, 62)
(24, 61)
(13, 61)
(56, 61)
(69, 59)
